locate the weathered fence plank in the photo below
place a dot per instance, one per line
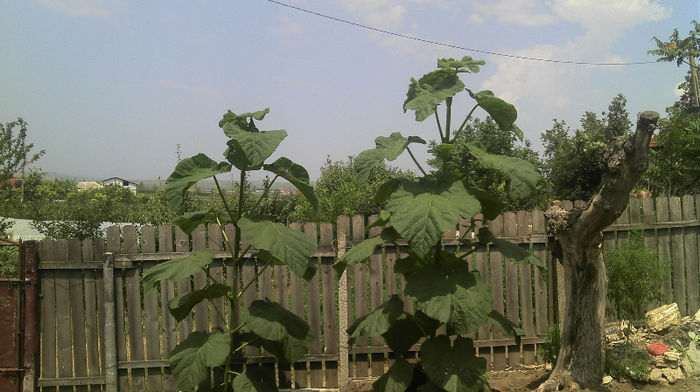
(690, 247)
(48, 315)
(497, 290)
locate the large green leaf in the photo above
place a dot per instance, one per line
(271, 322)
(448, 292)
(491, 206)
(388, 148)
(242, 120)
(379, 320)
(501, 111)
(425, 94)
(177, 269)
(191, 359)
(506, 326)
(187, 173)
(466, 64)
(421, 212)
(181, 306)
(192, 220)
(282, 245)
(365, 249)
(249, 150)
(522, 174)
(297, 175)
(397, 379)
(454, 368)
(255, 379)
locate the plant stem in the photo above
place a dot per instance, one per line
(437, 119)
(255, 279)
(223, 199)
(448, 119)
(464, 123)
(416, 161)
(267, 190)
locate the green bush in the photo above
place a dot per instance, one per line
(635, 277)
(627, 362)
(549, 350)
(8, 261)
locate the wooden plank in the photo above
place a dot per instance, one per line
(248, 278)
(528, 322)
(99, 251)
(182, 244)
(201, 311)
(635, 211)
(92, 319)
(314, 298)
(624, 220)
(691, 255)
(216, 243)
(512, 306)
(678, 257)
(376, 279)
(133, 304)
(111, 368)
(359, 282)
(541, 316)
(77, 314)
(300, 374)
(150, 314)
(663, 241)
(63, 316)
(114, 246)
(48, 315)
(499, 353)
(330, 319)
(167, 292)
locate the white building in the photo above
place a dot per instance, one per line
(120, 182)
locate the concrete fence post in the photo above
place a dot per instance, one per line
(110, 353)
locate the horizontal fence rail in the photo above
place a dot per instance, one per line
(97, 324)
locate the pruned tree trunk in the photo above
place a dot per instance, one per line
(581, 358)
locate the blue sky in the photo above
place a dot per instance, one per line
(110, 87)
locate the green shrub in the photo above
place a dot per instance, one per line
(8, 261)
(635, 277)
(549, 350)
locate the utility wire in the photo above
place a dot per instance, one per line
(427, 41)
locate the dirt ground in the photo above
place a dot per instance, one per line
(529, 379)
(526, 380)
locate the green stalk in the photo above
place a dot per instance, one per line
(416, 161)
(464, 123)
(448, 120)
(264, 195)
(437, 119)
(255, 279)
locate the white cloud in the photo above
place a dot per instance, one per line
(520, 12)
(83, 8)
(386, 14)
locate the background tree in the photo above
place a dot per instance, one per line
(340, 193)
(15, 155)
(574, 162)
(674, 163)
(491, 138)
(682, 51)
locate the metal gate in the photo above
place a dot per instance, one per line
(18, 320)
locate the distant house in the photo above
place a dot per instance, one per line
(120, 182)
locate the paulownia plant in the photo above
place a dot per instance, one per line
(264, 323)
(445, 292)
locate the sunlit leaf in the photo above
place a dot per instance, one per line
(191, 359)
(297, 175)
(501, 111)
(421, 212)
(188, 172)
(249, 150)
(192, 220)
(466, 64)
(287, 246)
(177, 269)
(425, 94)
(522, 174)
(388, 148)
(242, 121)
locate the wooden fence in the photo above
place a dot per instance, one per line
(75, 347)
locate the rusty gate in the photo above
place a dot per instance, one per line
(18, 320)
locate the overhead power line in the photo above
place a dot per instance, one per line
(453, 46)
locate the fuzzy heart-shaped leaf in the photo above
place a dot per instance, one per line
(188, 172)
(191, 360)
(522, 174)
(297, 175)
(177, 269)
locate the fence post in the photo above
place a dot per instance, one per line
(343, 362)
(30, 345)
(110, 331)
